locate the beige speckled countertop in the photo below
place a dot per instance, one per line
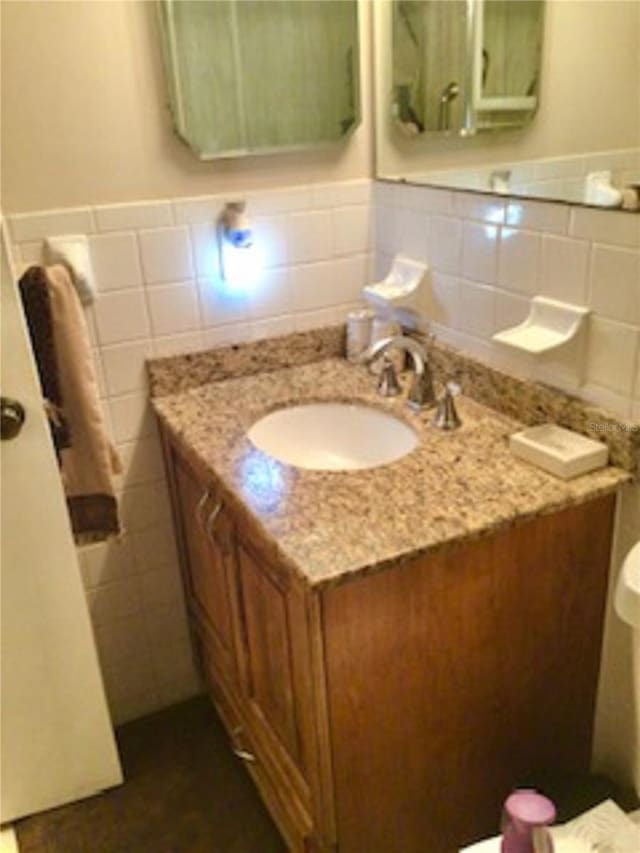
(331, 525)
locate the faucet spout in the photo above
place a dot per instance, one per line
(421, 392)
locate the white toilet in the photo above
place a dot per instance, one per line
(627, 595)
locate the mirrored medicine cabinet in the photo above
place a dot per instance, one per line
(256, 77)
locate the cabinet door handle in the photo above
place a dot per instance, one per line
(200, 507)
(244, 755)
(215, 512)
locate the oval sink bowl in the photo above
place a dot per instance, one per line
(333, 436)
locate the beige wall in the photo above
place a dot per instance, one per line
(589, 99)
(84, 119)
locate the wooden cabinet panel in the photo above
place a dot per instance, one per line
(207, 576)
(460, 675)
(269, 671)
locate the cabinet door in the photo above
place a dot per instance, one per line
(206, 544)
(269, 668)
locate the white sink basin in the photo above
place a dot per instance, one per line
(333, 436)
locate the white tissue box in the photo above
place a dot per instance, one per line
(559, 451)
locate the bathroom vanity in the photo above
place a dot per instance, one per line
(391, 650)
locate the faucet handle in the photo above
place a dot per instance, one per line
(388, 385)
(446, 416)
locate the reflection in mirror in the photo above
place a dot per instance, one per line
(465, 65)
(429, 64)
(251, 77)
(510, 97)
(507, 48)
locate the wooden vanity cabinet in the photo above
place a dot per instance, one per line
(208, 582)
(248, 621)
(393, 713)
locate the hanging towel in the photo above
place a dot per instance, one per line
(88, 460)
(37, 307)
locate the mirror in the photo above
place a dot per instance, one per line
(461, 67)
(254, 77)
(510, 97)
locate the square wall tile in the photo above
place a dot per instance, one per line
(145, 506)
(314, 286)
(270, 295)
(105, 562)
(50, 223)
(115, 600)
(221, 304)
(611, 355)
(306, 320)
(351, 230)
(273, 327)
(426, 199)
(270, 236)
(538, 216)
(351, 275)
(130, 675)
(173, 308)
(141, 461)
(606, 226)
(125, 706)
(412, 234)
(387, 193)
(114, 258)
(445, 243)
(178, 344)
(476, 206)
(615, 283)
(224, 336)
(384, 229)
(154, 547)
(480, 252)
(476, 309)
(510, 310)
(121, 639)
(121, 316)
(206, 208)
(205, 249)
(162, 586)
(564, 268)
(166, 254)
(124, 366)
(519, 260)
(443, 300)
(131, 417)
(28, 253)
(310, 236)
(145, 214)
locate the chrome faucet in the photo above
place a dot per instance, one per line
(421, 393)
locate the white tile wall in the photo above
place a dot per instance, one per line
(484, 274)
(519, 260)
(159, 293)
(564, 269)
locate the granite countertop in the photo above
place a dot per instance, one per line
(329, 526)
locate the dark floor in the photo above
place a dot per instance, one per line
(185, 792)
